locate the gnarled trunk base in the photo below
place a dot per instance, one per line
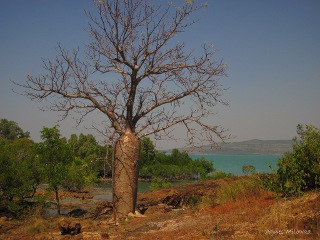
(125, 174)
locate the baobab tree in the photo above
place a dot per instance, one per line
(139, 78)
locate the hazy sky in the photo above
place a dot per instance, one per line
(272, 48)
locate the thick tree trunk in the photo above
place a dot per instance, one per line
(125, 174)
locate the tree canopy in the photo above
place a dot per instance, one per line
(176, 165)
(299, 170)
(11, 131)
(134, 73)
(142, 81)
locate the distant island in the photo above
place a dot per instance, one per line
(254, 147)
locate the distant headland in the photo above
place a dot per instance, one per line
(254, 146)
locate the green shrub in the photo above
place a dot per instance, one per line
(299, 170)
(177, 165)
(79, 175)
(19, 173)
(194, 200)
(159, 183)
(248, 169)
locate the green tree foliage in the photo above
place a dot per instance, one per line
(86, 147)
(79, 175)
(177, 165)
(202, 166)
(157, 183)
(89, 154)
(248, 169)
(148, 152)
(55, 157)
(24, 164)
(299, 170)
(19, 172)
(11, 131)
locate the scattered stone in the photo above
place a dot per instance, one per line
(107, 210)
(67, 226)
(136, 214)
(78, 212)
(103, 209)
(105, 235)
(4, 219)
(143, 208)
(167, 209)
(113, 222)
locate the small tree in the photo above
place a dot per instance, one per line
(89, 154)
(148, 152)
(11, 131)
(248, 169)
(19, 172)
(203, 167)
(299, 170)
(140, 79)
(55, 158)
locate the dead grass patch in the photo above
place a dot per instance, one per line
(293, 216)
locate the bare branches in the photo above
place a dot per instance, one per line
(134, 74)
(68, 86)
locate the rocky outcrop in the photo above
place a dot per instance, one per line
(67, 226)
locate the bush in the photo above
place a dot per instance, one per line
(19, 174)
(202, 166)
(177, 165)
(298, 170)
(79, 175)
(248, 169)
(159, 183)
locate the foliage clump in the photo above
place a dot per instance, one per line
(19, 173)
(299, 170)
(157, 183)
(10, 130)
(26, 165)
(177, 165)
(248, 169)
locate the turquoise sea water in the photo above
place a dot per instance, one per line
(233, 163)
(227, 163)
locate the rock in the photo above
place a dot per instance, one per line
(78, 212)
(107, 210)
(4, 219)
(105, 235)
(143, 208)
(136, 214)
(104, 208)
(67, 226)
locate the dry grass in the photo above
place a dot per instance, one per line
(38, 225)
(242, 189)
(296, 216)
(226, 209)
(226, 192)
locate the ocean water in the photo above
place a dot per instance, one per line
(233, 163)
(227, 163)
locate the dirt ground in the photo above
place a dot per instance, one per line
(190, 212)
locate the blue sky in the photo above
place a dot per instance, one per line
(272, 48)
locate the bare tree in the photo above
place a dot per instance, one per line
(139, 78)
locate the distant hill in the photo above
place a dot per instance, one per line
(255, 146)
